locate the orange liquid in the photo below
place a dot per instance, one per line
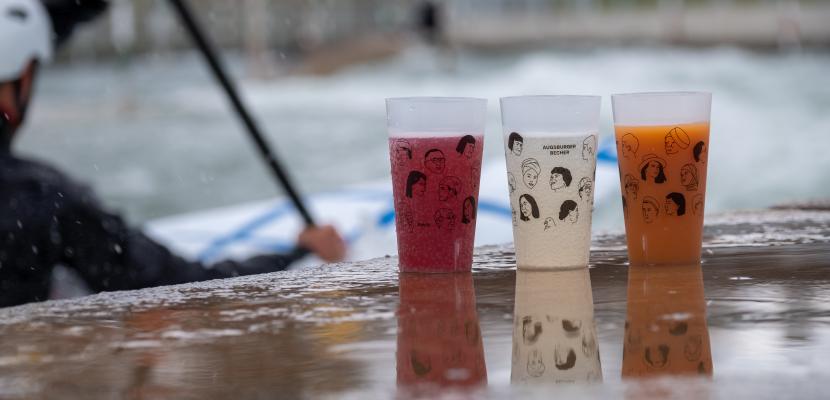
(663, 181)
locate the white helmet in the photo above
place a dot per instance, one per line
(25, 35)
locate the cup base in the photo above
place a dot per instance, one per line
(550, 267)
(431, 270)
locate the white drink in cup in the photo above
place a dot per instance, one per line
(550, 150)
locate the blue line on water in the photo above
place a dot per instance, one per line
(218, 244)
(284, 246)
(607, 152)
(494, 208)
(387, 217)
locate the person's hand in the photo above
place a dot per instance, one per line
(324, 241)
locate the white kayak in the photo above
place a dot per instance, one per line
(363, 213)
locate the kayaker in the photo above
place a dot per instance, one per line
(48, 219)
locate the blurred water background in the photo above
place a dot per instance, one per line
(132, 110)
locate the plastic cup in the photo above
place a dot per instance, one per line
(554, 333)
(435, 147)
(662, 147)
(550, 150)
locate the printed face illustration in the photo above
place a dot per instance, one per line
(557, 181)
(525, 208)
(448, 188)
(549, 223)
(402, 151)
(419, 188)
(530, 177)
(671, 145)
(421, 363)
(677, 139)
(693, 348)
(650, 210)
(469, 212)
(698, 205)
(444, 192)
(653, 170)
(445, 219)
(434, 161)
(657, 356)
(573, 216)
(632, 186)
(569, 211)
(564, 359)
(699, 152)
(535, 365)
(469, 150)
(671, 207)
(688, 177)
(585, 189)
(629, 146)
(572, 327)
(530, 330)
(589, 147)
(511, 182)
(517, 148)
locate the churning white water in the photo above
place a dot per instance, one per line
(155, 137)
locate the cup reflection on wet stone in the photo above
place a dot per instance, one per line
(554, 333)
(665, 328)
(439, 338)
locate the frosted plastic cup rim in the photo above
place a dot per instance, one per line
(434, 99)
(551, 114)
(690, 93)
(661, 108)
(435, 116)
(551, 97)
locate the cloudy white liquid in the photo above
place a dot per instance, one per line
(554, 235)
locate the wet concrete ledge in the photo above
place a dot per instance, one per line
(794, 224)
(328, 330)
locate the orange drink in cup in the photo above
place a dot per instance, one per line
(662, 150)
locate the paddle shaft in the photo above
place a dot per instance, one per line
(219, 73)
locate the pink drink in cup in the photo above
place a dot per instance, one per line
(435, 149)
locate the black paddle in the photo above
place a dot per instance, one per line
(212, 59)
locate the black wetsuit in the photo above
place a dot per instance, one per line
(66, 15)
(47, 220)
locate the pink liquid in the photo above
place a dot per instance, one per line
(436, 202)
